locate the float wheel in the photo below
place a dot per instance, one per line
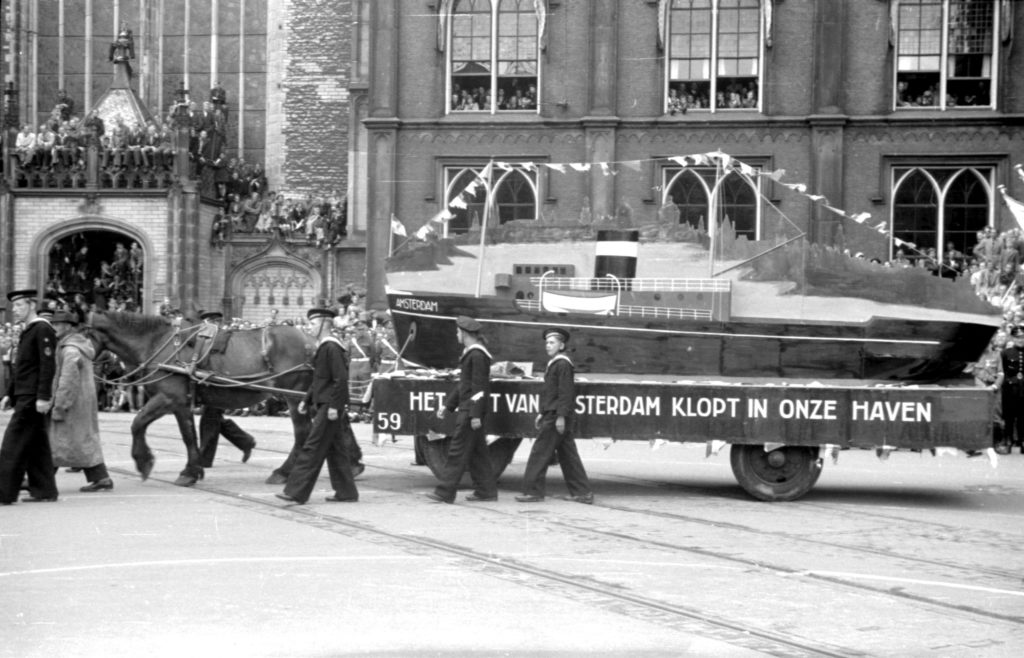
(783, 474)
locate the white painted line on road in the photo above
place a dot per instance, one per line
(226, 560)
(912, 581)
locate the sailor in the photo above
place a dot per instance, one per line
(469, 399)
(327, 398)
(1011, 383)
(26, 446)
(557, 399)
(212, 423)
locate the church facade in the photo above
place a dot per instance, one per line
(284, 77)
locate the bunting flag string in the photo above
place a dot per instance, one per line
(462, 200)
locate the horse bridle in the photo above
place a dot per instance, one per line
(147, 366)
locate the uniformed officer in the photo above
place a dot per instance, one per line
(557, 400)
(212, 423)
(328, 399)
(469, 399)
(1011, 383)
(26, 446)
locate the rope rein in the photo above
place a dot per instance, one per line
(155, 371)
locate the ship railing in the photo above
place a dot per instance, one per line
(661, 312)
(652, 312)
(648, 284)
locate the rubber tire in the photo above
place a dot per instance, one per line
(775, 483)
(436, 454)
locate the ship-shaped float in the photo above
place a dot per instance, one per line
(644, 301)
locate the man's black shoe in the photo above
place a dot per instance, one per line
(528, 498)
(288, 499)
(33, 499)
(336, 499)
(247, 453)
(586, 499)
(438, 499)
(475, 498)
(106, 484)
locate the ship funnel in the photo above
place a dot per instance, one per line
(616, 253)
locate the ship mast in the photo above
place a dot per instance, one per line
(489, 170)
(713, 218)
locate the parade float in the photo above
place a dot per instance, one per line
(783, 349)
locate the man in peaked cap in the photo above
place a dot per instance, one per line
(469, 399)
(557, 399)
(26, 446)
(328, 399)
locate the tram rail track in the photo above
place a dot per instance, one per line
(594, 592)
(1006, 579)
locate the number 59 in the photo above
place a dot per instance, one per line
(389, 422)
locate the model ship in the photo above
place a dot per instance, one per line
(649, 305)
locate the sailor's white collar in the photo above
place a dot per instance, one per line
(329, 339)
(559, 357)
(477, 346)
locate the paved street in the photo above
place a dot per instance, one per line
(912, 556)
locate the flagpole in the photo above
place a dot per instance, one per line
(483, 226)
(391, 235)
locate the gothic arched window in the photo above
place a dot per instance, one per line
(936, 206)
(691, 190)
(515, 196)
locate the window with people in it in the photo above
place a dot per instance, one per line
(494, 57)
(945, 53)
(714, 55)
(514, 197)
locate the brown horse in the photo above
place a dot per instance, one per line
(251, 362)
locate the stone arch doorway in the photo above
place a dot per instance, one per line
(261, 287)
(106, 266)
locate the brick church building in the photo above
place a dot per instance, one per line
(287, 84)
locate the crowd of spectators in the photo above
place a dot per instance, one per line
(112, 285)
(927, 95)
(322, 221)
(514, 97)
(60, 143)
(733, 95)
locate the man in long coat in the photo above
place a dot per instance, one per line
(74, 422)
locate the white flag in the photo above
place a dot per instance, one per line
(1015, 206)
(397, 227)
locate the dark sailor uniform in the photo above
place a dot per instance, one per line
(1012, 359)
(26, 447)
(468, 449)
(326, 440)
(556, 399)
